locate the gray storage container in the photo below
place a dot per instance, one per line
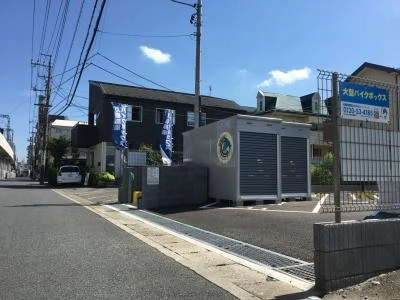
(295, 160)
(243, 155)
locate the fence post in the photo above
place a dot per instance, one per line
(336, 147)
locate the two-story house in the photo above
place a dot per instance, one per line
(145, 118)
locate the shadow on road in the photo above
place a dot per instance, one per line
(24, 185)
(29, 184)
(301, 295)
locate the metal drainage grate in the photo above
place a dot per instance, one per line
(305, 272)
(279, 262)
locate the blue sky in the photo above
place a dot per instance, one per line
(247, 45)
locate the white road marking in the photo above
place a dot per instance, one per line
(269, 210)
(208, 205)
(319, 204)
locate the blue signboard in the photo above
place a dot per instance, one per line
(119, 125)
(365, 103)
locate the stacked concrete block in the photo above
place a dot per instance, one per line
(350, 252)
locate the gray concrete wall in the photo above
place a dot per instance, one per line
(178, 186)
(348, 253)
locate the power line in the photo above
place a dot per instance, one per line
(59, 93)
(80, 55)
(44, 28)
(32, 42)
(148, 35)
(72, 68)
(55, 27)
(136, 74)
(87, 54)
(72, 42)
(101, 68)
(61, 32)
(80, 59)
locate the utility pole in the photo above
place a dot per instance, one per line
(197, 71)
(196, 19)
(44, 104)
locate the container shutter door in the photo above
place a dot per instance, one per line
(294, 164)
(258, 163)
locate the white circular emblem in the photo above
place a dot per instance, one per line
(225, 147)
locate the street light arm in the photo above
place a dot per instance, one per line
(187, 4)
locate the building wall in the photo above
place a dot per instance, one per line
(148, 131)
(57, 132)
(97, 153)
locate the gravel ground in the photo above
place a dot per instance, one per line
(382, 287)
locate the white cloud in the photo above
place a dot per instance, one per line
(243, 72)
(280, 78)
(156, 55)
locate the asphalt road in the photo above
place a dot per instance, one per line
(52, 248)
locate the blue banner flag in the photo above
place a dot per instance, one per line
(166, 144)
(119, 126)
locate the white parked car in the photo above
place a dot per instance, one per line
(69, 174)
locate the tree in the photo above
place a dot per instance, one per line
(153, 158)
(57, 148)
(323, 172)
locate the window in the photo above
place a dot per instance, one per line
(160, 116)
(190, 119)
(134, 113)
(317, 152)
(91, 159)
(270, 103)
(110, 159)
(317, 127)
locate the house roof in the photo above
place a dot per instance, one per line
(112, 90)
(306, 102)
(285, 102)
(64, 123)
(249, 109)
(367, 65)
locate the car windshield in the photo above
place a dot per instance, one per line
(69, 170)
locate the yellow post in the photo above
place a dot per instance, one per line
(136, 196)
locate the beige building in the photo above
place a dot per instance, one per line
(63, 128)
(306, 109)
